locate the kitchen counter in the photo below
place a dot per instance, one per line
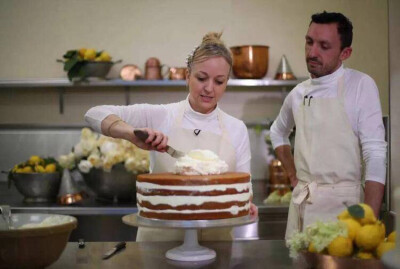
(101, 221)
(239, 254)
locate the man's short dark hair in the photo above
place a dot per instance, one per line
(345, 27)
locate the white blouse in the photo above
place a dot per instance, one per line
(162, 117)
(362, 106)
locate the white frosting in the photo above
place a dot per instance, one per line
(234, 210)
(200, 162)
(175, 200)
(147, 187)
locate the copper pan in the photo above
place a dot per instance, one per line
(250, 62)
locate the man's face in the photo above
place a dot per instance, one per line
(323, 49)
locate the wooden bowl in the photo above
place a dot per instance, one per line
(35, 247)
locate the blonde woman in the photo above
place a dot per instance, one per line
(194, 123)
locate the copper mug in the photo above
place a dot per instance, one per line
(153, 69)
(177, 73)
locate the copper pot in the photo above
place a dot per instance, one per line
(177, 73)
(153, 69)
(250, 62)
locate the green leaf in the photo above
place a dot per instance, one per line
(356, 211)
(70, 64)
(98, 53)
(74, 72)
(70, 54)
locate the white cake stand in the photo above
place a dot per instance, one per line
(190, 250)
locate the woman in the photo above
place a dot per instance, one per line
(194, 123)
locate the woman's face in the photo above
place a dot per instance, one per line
(207, 83)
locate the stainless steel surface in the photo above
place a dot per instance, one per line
(114, 250)
(119, 184)
(37, 187)
(54, 83)
(174, 153)
(394, 99)
(5, 220)
(239, 254)
(136, 220)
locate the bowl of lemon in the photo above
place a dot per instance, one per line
(84, 63)
(38, 179)
(356, 240)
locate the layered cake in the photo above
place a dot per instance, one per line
(195, 192)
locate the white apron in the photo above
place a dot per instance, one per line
(186, 140)
(327, 160)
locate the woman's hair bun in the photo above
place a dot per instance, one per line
(212, 37)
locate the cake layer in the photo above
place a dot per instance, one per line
(186, 193)
(192, 200)
(193, 216)
(204, 206)
(187, 180)
(144, 187)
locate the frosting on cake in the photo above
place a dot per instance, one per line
(200, 162)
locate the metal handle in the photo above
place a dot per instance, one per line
(142, 135)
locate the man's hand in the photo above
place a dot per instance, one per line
(253, 210)
(373, 195)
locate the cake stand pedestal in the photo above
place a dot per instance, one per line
(190, 250)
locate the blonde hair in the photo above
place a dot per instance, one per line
(211, 46)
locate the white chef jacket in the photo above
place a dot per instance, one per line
(161, 118)
(362, 106)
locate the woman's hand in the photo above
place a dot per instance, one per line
(253, 210)
(156, 140)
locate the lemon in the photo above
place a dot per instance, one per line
(50, 168)
(382, 228)
(344, 215)
(105, 57)
(311, 248)
(365, 255)
(90, 54)
(392, 237)
(369, 236)
(34, 159)
(19, 170)
(340, 247)
(27, 169)
(384, 247)
(39, 169)
(353, 227)
(369, 216)
(82, 52)
(15, 168)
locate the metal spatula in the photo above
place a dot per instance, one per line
(143, 135)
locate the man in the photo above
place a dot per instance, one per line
(338, 122)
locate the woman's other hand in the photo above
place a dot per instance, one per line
(253, 210)
(156, 141)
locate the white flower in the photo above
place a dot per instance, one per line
(95, 160)
(88, 145)
(85, 166)
(67, 161)
(86, 133)
(78, 151)
(108, 146)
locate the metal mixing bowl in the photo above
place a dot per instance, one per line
(37, 187)
(35, 247)
(117, 185)
(96, 69)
